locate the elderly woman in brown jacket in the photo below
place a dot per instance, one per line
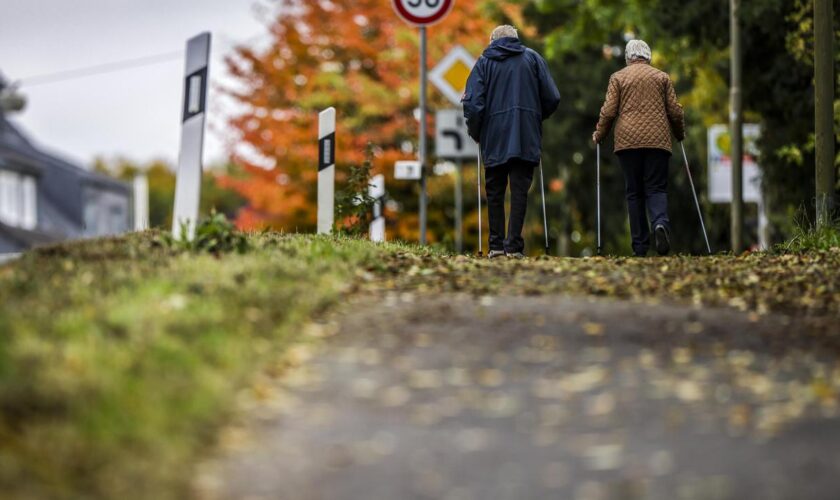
(642, 105)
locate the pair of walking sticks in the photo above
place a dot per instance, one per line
(545, 215)
(690, 180)
(597, 198)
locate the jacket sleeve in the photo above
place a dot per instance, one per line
(676, 116)
(474, 101)
(609, 111)
(549, 94)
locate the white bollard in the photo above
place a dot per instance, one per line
(141, 202)
(376, 190)
(188, 184)
(326, 171)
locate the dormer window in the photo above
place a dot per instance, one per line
(18, 200)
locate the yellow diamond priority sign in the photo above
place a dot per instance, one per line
(451, 73)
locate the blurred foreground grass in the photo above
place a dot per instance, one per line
(119, 358)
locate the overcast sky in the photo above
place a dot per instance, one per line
(133, 113)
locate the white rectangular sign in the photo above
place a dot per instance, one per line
(408, 170)
(452, 141)
(720, 164)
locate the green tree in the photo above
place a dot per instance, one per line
(583, 42)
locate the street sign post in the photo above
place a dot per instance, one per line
(188, 183)
(326, 171)
(422, 13)
(141, 202)
(376, 190)
(452, 141)
(451, 74)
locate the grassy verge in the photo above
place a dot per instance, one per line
(808, 238)
(119, 358)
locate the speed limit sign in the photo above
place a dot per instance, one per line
(422, 12)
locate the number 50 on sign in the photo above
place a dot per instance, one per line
(422, 12)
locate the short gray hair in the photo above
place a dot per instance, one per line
(637, 50)
(504, 31)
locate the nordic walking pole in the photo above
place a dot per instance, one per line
(696, 201)
(545, 217)
(598, 193)
(478, 183)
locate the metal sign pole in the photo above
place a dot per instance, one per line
(326, 171)
(422, 155)
(188, 183)
(459, 207)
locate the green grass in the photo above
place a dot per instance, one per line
(809, 238)
(120, 358)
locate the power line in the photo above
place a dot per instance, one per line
(99, 69)
(113, 67)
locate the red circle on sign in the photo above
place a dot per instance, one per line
(445, 7)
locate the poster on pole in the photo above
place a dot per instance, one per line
(720, 164)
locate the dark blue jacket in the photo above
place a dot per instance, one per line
(509, 93)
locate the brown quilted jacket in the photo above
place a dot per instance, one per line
(642, 103)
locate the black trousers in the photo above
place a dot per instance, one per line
(520, 174)
(646, 179)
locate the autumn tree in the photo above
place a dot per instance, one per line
(359, 57)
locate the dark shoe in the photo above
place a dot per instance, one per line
(495, 254)
(663, 240)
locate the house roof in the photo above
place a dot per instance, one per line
(28, 238)
(19, 153)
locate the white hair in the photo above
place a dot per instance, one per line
(637, 50)
(504, 31)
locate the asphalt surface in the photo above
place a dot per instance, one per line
(457, 397)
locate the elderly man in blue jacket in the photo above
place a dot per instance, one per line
(509, 93)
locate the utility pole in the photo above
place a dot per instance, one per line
(736, 121)
(824, 109)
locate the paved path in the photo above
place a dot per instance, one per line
(455, 397)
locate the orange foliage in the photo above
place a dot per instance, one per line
(358, 56)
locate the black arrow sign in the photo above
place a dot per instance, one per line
(456, 135)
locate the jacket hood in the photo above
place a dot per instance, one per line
(504, 48)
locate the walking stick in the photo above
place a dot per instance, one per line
(696, 201)
(598, 193)
(478, 183)
(545, 217)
